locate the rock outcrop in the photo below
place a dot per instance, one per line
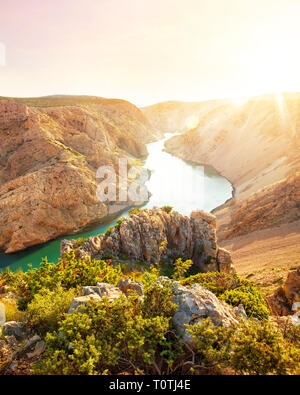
(154, 234)
(48, 162)
(196, 303)
(286, 299)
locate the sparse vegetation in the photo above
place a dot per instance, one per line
(136, 335)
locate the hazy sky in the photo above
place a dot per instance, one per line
(147, 51)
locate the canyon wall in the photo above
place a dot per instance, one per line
(50, 151)
(253, 143)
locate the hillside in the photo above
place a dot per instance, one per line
(50, 151)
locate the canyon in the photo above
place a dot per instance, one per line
(254, 143)
(52, 146)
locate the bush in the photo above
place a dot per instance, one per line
(250, 298)
(48, 308)
(125, 334)
(68, 273)
(11, 310)
(248, 348)
(134, 211)
(216, 282)
(80, 241)
(180, 268)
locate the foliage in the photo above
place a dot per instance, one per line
(48, 308)
(11, 310)
(247, 348)
(216, 282)
(250, 298)
(80, 241)
(167, 209)
(68, 272)
(181, 267)
(134, 211)
(233, 290)
(117, 226)
(128, 333)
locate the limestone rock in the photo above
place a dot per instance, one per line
(83, 301)
(31, 342)
(39, 348)
(141, 236)
(282, 302)
(126, 285)
(240, 312)
(16, 329)
(224, 261)
(103, 289)
(196, 303)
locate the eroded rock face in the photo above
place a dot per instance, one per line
(48, 162)
(141, 238)
(251, 144)
(285, 299)
(11, 114)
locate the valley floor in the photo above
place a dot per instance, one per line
(265, 256)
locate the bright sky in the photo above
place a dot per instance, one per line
(148, 51)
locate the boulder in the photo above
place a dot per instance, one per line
(95, 294)
(83, 301)
(126, 286)
(240, 312)
(16, 329)
(103, 289)
(196, 303)
(39, 348)
(285, 299)
(224, 261)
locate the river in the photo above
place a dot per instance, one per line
(173, 182)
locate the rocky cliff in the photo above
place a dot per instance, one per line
(50, 151)
(154, 234)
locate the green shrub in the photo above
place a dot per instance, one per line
(216, 282)
(127, 333)
(248, 348)
(180, 268)
(80, 241)
(250, 298)
(68, 272)
(48, 308)
(134, 211)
